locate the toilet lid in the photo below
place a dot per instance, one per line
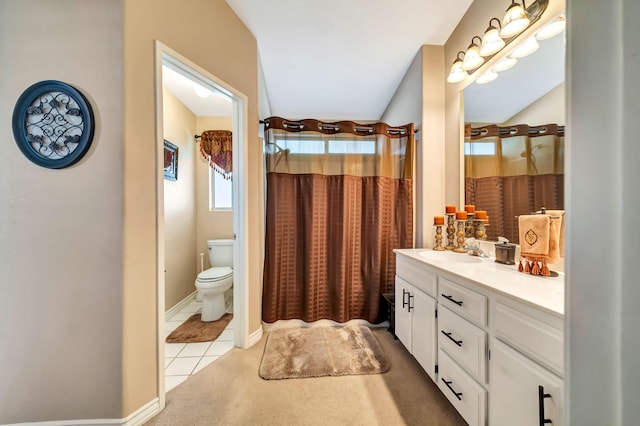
(215, 274)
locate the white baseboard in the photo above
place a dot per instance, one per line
(178, 306)
(139, 417)
(255, 337)
(143, 414)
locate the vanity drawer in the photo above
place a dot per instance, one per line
(531, 336)
(461, 300)
(465, 342)
(464, 393)
(416, 274)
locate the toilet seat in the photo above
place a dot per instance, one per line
(214, 274)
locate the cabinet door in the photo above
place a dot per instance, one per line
(423, 330)
(403, 316)
(522, 390)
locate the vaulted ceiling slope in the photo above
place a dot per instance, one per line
(342, 59)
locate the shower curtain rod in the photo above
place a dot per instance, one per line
(262, 122)
(513, 130)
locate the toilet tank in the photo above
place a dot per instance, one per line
(220, 252)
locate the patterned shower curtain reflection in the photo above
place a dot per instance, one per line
(339, 200)
(513, 170)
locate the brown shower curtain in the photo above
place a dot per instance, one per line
(513, 170)
(339, 200)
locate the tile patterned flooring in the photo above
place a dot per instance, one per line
(182, 360)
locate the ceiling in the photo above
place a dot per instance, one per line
(342, 60)
(337, 60)
(214, 105)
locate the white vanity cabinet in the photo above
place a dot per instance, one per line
(497, 348)
(523, 393)
(526, 367)
(462, 349)
(415, 314)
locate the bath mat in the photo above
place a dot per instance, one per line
(194, 330)
(322, 351)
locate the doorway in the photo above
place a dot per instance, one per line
(176, 62)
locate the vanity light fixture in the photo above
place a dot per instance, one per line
(491, 40)
(487, 77)
(529, 46)
(505, 63)
(472, 58)
(553, 28)
(515, 20)
(457, 74)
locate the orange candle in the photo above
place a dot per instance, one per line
(461, 215)
(481, 214)
(469, 208)
(438, 220)
(449, 209)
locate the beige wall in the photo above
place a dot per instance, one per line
(432, 140)
(212, 224)
(264, 105)
(549, 109)
(419, 99)
(208, 33)
(405, 105)
(61, 230)
(180, 204)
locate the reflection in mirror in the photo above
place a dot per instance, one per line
(514, 140)
(513, 170)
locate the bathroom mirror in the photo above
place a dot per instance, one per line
(514, 159)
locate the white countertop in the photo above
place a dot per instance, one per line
(543, 292)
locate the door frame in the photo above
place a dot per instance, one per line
(166, 55)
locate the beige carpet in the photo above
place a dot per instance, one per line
(322, 351)
(229, 392)
(193, 330)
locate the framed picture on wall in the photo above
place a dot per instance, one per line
(170, 161)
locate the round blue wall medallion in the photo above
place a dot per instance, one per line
(53, 124)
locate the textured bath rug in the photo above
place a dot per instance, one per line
(322, 351)
(194, 330)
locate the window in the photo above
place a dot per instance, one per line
(351, 147)
(330, 146)
(221, 192)
(479, 148)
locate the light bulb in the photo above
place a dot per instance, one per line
(472, 58)
(505, 63)
(491, 42)
(529, 46)
(201, 91)
(487, 77)
(457, 74)
(553, 28)
(515, 20)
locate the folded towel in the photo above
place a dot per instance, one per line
(560, 214)
(534, 234)
(539, 242)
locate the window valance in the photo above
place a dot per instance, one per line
(216, 146)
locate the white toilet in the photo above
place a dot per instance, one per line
(213, 282)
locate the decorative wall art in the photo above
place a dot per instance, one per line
(53, 124)
(170, 161)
